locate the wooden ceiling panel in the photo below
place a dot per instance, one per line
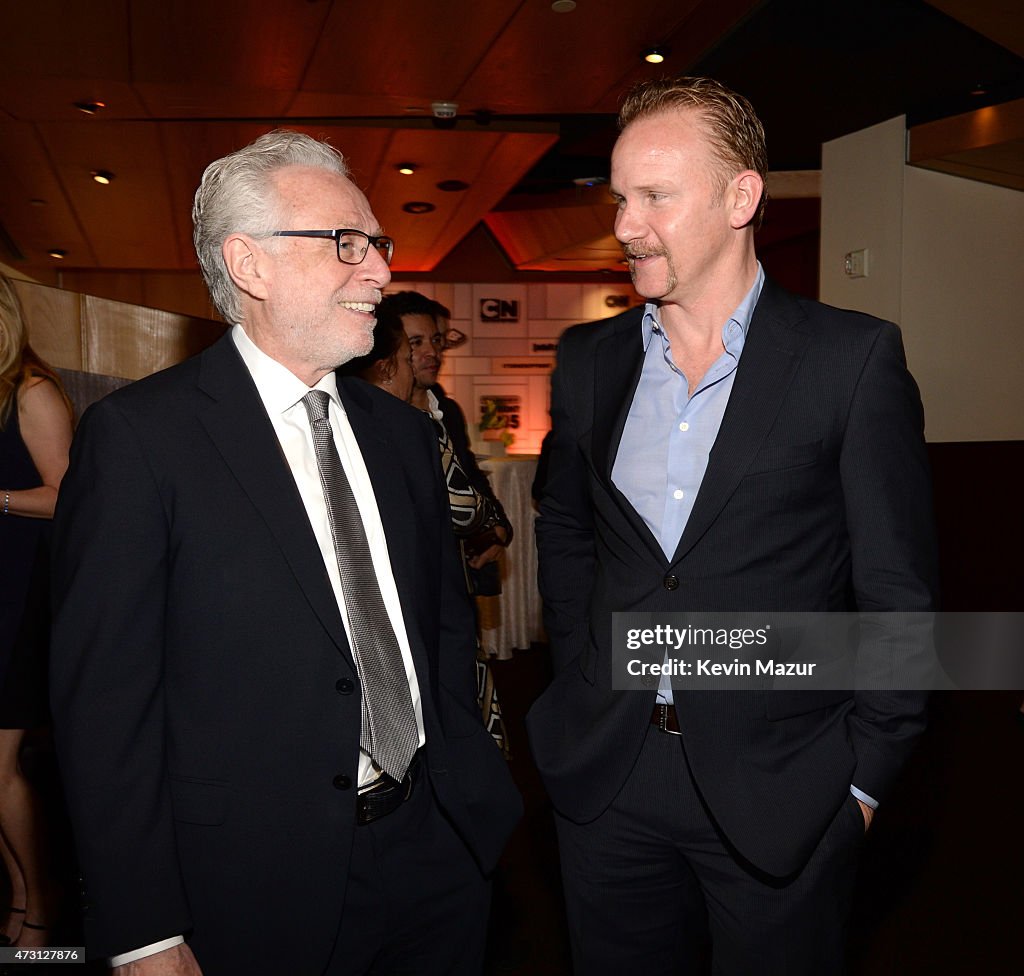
(513, 156)
(130, 224)
(53, 99)
(985, 145)
(260, 45)
(602, 253)
(29, 175)
(53, 38)
(998, 20)
(405, 49)
(54, 53)
(489, 160)
(533, 237)
(185, 100)
(532, 51)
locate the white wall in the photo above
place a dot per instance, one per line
(946, 262)
(861, 207)
(963, 303)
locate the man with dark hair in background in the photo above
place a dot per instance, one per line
(730, 447)
(426, 325)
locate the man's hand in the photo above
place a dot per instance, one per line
(867, 812)
(489, 555)
(176, 961)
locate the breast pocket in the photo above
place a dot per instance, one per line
(781, 457)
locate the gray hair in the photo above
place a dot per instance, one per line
(236, 195)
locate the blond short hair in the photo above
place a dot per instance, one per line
(733, 128)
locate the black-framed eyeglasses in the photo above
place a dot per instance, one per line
(352, 244)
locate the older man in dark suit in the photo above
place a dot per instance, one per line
(263, 678)
(730, 447)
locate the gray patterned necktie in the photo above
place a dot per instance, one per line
(389, 734)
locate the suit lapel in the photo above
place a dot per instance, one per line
(238, 425)
(617, 364)
(774, 347)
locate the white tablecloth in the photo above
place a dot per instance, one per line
(513, 620)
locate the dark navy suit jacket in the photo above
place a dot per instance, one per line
(816, 498)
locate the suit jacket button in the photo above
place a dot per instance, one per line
(344, 686)
(671, 582)
(342, 782)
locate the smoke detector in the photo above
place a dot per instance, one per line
(444, 110)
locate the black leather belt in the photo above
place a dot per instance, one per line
(664, 719)
(386, 795)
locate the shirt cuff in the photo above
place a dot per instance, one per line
(864, 798)
(149, 950)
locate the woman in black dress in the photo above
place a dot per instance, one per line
(35, 434)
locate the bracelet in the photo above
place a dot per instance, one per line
(7, 501)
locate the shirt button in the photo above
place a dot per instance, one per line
(678, 494)
(684, 426)
(344, 686)
(342, 782)
(671, 582)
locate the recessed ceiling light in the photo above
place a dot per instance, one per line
(979, 89)
(563, 6)
(37, 202)
(655, 55)
(590, 180)
(453, 186)
(406, 169)
(103, 176)
(57, 253)
(90, 106)
(418, 207)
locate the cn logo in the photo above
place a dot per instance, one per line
(499, 310)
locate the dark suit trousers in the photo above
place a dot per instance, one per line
(416, 903)
(652, 887)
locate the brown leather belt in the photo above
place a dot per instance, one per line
(664, 719)
(386, 795)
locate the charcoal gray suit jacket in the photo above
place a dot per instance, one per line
(206, 702)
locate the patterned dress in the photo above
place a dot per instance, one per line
(472, 513)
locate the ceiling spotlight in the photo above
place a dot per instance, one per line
(979, 89)
(57, 253)
(563, 6)
(655, 55)
(453, 186)
(103, 176)
(418, 207)
(406, 169)
(590, 180)
(89, 106)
